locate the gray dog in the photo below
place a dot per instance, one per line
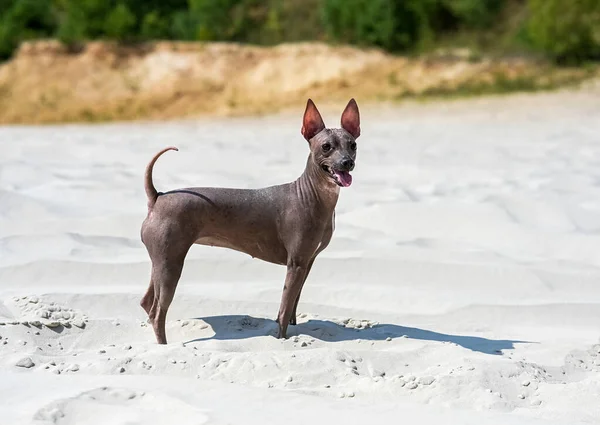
(288, 224)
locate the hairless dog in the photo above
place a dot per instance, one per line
(288, 224)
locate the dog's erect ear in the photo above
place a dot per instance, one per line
(351, 119)
(312, 123)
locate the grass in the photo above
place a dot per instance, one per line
(501, 84)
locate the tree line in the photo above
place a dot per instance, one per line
(563, 30)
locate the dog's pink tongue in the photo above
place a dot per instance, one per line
(344, 177)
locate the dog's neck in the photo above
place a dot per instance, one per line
(314, 186)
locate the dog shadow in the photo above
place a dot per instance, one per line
(235, 327)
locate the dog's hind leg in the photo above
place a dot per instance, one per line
(148, 298)
(167, 246)
(166, 276)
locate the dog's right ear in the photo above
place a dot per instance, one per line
(312, 123)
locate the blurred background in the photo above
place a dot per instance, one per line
(99, 60)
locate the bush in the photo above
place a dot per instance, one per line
(93, 14)
(368, 22)
(72, 26)
(473, 13)
(568, 31)
(24, 20)
(214, 19)
(297, 20)
(183, 26)
(154, 27)
(391, 24)
(120, 23)
(230, 20)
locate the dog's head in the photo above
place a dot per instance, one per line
(333, 150)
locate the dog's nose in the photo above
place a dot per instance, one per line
(348, 164)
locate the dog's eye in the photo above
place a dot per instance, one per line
(326, 147)
(353, 146)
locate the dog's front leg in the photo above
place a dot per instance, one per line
(296, 273)
(293, 319)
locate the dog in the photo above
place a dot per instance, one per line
(287, 224)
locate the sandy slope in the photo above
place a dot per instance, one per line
(462, 285)
(168, 80)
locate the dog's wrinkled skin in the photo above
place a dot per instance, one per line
(288, 224)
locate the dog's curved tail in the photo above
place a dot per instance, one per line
(148, 184)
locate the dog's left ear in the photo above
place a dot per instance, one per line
(351, 119)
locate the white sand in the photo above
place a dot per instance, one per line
(462, 285)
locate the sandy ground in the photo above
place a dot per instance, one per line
(462, 285)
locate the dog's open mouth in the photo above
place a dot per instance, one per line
(341, 178)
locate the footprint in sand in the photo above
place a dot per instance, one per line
(119, 406)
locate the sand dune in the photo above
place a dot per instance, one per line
(462, 284)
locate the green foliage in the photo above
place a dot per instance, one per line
(416, 22)
(154, 27)
(72, 26)
(231, 20)
(273, 27)
(391, 24)
(473, 13)
(213, 19)
(568, 31)
(404, 24)
(120, 23)
(298, 20)
(93, 14)
(360, 21)
(24, 20)
(183, 26)
(33, 16)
